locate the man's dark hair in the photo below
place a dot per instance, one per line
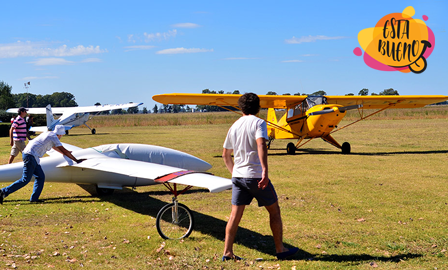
(249, 103)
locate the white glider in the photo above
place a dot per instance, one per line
(71, 116)
(114, 166)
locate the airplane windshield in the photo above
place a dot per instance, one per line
(316, 100)
(308, 103)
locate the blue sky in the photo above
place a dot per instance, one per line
(128, 51)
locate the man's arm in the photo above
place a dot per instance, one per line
(61, 149)
(11, 142)
(227, 157)
(263, 156)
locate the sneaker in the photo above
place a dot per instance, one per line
(235, 258)
(286, 254)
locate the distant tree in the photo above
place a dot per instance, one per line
(271, 93)
(286, 94)
(155, 109)
(297, 94)
(374, 94)
(176, 108)
(363, 92)
(221, 92)
(389, 92)
(117, 111)
(6, 98)
(145, 110)
(133, 110)
(62, 99)
(206, 91)
(319, 93)
(97, 104)
(236, 92)
(166, 108)
(350, 94)
(188, 109)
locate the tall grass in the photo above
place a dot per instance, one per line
(215, 118)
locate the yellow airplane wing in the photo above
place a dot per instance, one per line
(283, 102)
(266, 101)
(379, 102)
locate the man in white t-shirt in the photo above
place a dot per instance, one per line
(249, 168)
(31, 162)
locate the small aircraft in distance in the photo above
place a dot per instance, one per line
(71, 116)
(308, 117)
(114, 166)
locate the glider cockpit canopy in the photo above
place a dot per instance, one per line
(153, 154)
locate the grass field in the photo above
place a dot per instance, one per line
(383, 206)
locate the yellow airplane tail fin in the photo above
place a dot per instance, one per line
(271, 118)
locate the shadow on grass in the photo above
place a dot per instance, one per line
(144, 204)
(365, 257)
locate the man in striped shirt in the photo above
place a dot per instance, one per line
(17, 134)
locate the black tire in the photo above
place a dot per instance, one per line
(291, 148)
(346, 148)
(104, 191)
(171, 229)
(66, 132)
(93, 131)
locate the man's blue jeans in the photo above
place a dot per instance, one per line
(30, 169)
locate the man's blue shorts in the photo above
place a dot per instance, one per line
(245, 189)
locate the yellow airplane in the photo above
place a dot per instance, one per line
(308, 117)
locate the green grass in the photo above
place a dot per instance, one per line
(384, 205)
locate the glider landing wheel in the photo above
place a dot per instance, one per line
(104, 191)
(291, 148)
(346, 149)
(93, 131)
(66, 132)
(174, 221)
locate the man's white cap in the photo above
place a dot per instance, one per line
(59, 130)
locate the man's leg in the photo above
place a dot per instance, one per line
(11, 159)
(232, 228)
(39, 180)
(29, 163)
(275, 220)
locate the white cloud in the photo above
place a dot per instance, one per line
(183, 50)
(51, 62)
(160, 36)
(293, 61)
(42, 49)
(310, 38)
(186, 25)
(139, 47)
(92, 60)
(241, 58)
(39, 78)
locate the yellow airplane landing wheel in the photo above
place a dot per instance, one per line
(346, 149)
(174, 221)
(291, 148)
